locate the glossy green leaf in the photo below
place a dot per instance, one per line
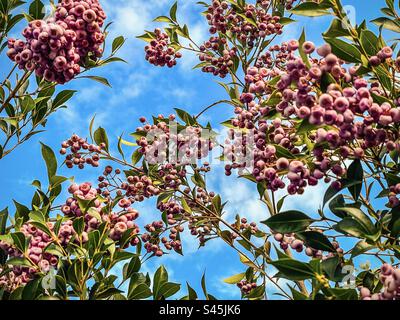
(288, 221)
(344, 50)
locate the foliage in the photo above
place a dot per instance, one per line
(316, 115)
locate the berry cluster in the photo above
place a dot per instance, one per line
(390, 279)
(223, 17)
(216, 55)
(270, 64)
(246, 287)
(187, 145)
(344, 121)
(153, 237)
(118, 222)
(140, 186)
(81, 152)
(41, 261)
(381, 57)
(218, 65)
(55, 48)
(100, 213)
(243, 225)
(160, 52)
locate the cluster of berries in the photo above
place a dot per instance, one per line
(117, 224)
(390, 279)
(218, 64)
(41, 260)
(160, 52)
(247, 24)
(344, 121)
(165, 140)
(56, 48)
(246, 287)
(81, 152)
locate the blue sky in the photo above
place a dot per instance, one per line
(141, 89)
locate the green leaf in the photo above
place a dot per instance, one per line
(361, 217)
(20, 262)
(351, 227)
(192, 295)
(316, 240)
(142, 291)
(185, 206)
(50, 159)
(136, 156)
(332, 268)
(146, 37)
(169, 289)
(303, 55)
(54, 249)
(331, 192)
(27, 104)
(4, 6)
(369, 42)
(297, 295)
(382, 75)
(186, 117)
(3, 220)
(110, 60)
(79, 225)
(21, 211)
(36, 9)
(311, 9)
(305, 126)
(19, 241)
(361, 247)
(172, 11)
(283, 152)
(257, 294)
(288, 221)
(338, 202)
(100, 136)
(94, 213)
(62, 97)
(285, 21)
(344, 294)
(247, 261)
(162, 19)
(355, 174)
(344, 50)
(387, 24)
(204, 287)
(160, 278)
(235, 279)
(336, 30)
(118, 42)
(41, 226)
(198, 180)
(133, 266)
(31, 291)
(293, 270)
(99, 79)
(55, 181)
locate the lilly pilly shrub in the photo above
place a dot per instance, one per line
(56, 48)
(298, 115)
